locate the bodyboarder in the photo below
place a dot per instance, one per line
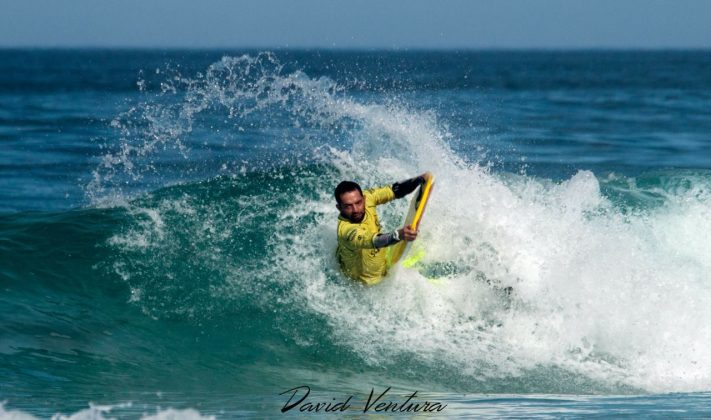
(361, 250)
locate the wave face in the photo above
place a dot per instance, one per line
(188, 271)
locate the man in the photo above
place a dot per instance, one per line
(360, 243)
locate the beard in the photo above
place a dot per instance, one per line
(357, 217)
(354, 217)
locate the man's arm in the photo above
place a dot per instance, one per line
(384, 195)
(362, 239)
(404, 188)
(400, 189)
(387, 239)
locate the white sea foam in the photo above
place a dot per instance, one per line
(104, 412)
(614, 295)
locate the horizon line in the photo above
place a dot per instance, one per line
(356, 49)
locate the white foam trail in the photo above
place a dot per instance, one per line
(99, 412)
(173, 414)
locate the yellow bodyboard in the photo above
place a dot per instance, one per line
(413, 219)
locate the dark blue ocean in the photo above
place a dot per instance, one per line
(167, 234)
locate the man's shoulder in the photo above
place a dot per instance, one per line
(377, 190)
(379, 195)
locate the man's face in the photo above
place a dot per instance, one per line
(352, 206)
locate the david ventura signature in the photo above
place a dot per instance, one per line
(376, 403)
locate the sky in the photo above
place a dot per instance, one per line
(354, 24)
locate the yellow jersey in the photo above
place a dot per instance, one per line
(358, 257)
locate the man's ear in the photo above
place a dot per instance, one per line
(338, 206)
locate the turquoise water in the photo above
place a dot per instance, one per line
(167, 232)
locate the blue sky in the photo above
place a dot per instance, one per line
(357, 24)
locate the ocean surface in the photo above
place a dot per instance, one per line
(167, 234)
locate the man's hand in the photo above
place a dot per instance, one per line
(404, 188)
(407, 234)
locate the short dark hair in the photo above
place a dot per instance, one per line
(344, 187)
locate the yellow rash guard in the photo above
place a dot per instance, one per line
(359, 258)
